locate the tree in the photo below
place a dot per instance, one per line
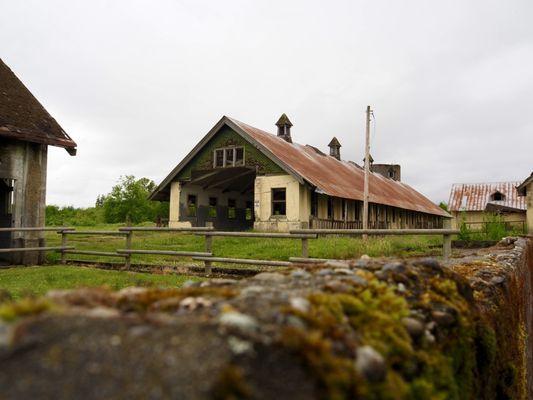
(443, 205)
(128, 201)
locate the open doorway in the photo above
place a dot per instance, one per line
(223, 198)
(6, 213)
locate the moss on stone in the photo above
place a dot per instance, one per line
(10, 311)
(231, 384)
(338, 323)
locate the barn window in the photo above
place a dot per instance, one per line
(249, 210)
(330, 208)
(314, 204)
(497, 196)
(219, 158)
(228, 157)
(279, 202)
(239, 156)
(232, 208)
(212, 212)
(191, 205)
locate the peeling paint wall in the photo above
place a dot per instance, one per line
(298, 204)
(529, 202)
(203, 161)
(476, 218)
(26, 164)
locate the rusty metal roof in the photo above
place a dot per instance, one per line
(328, 175)
(22, 117)
(340, 178)
(479, 196)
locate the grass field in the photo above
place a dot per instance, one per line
(257, 248)
(23, 281)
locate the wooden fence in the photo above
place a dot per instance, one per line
(208, 256)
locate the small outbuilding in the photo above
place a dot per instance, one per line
(525, 190)
(26, 131)
(240, 177)
(471, 203)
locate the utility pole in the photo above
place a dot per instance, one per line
(367, 170)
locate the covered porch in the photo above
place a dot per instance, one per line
(222, 198)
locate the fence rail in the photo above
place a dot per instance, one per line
(207, 256)
(31, 229)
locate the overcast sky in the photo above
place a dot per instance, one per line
(138, 83)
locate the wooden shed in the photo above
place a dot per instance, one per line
(26, 131)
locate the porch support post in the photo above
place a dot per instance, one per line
(208, 249)
(447, 240)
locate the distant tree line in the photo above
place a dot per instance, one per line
(126, 203)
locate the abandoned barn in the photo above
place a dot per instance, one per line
(472, 203)
(26, 130)
(240, 177)
(525, 190)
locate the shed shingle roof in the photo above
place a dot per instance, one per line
(22, 117)
(477, 196)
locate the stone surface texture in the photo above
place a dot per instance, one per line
(366, 329)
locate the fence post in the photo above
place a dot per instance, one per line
(305, 248)
(208, 249)
(127, 258)
(447, 240)
(64, 242)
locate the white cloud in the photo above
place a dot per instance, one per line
(138, 83)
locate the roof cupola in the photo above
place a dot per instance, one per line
(335, 148)
(284, 128)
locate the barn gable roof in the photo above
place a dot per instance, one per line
(480, 197)
(22, 117)
(325, 173)
(522, 187)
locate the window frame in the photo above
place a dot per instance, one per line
(249, 210)
(232, 210)
(276, 202)
(212, 209)
(234, 162)
(194, 213)
(215, 158)
(499, 194)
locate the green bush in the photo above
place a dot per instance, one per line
(128, 202)
(493, 228)
(71, 216)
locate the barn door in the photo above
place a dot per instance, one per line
(6, 210)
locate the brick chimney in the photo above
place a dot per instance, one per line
(284, 128)
(335, 148)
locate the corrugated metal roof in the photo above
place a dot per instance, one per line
(476, 196)
(340, 178)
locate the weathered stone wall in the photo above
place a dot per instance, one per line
(367, 329)
(503, 283)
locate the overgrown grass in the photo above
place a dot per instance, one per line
(493, 228)
(255, 248)
(24, 281)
